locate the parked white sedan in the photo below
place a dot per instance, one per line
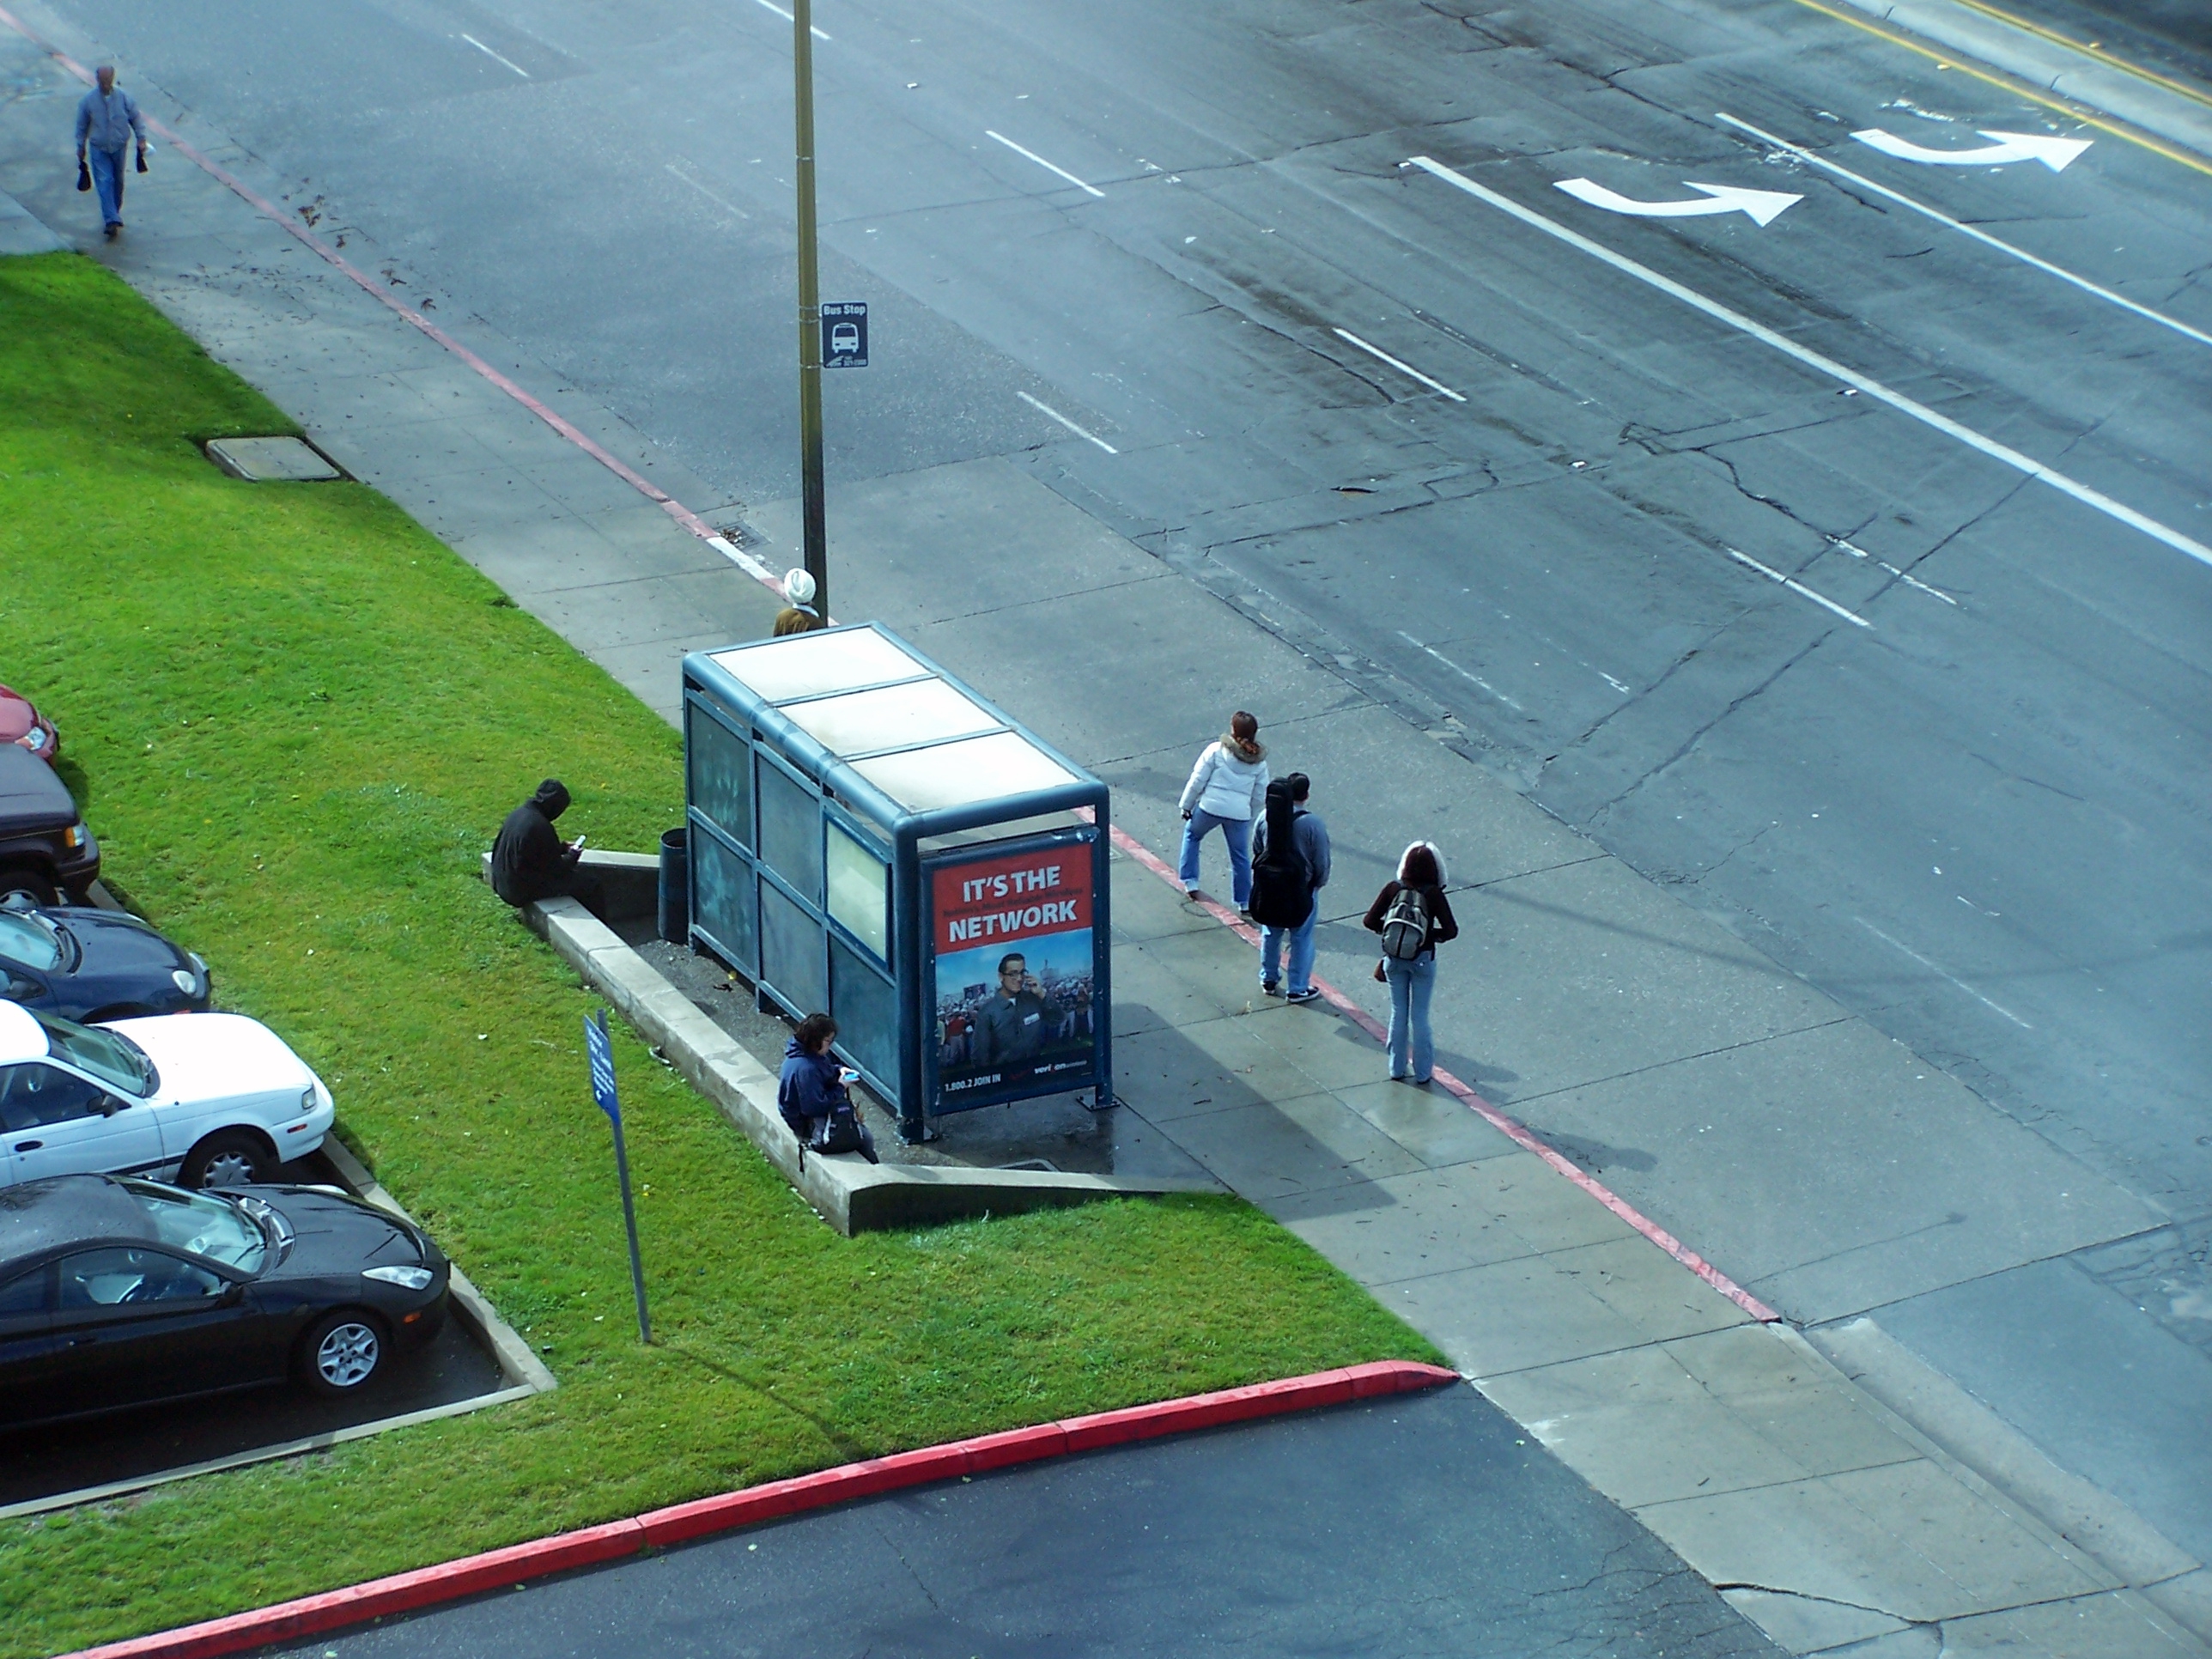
(217, 1099)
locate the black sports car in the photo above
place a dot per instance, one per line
(116, 1292)
(89, 965)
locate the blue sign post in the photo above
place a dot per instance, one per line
(602, 1054)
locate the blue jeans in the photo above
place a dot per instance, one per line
(1237, 832)
(1301, 939)
(108, 178)
(1411, 984)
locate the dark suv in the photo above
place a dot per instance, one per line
(45, 849)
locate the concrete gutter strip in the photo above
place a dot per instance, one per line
(1969, 1433)
(301, 1448)
(2165, 109)
(496, 1570)
(850, 1193)
(517, 1361)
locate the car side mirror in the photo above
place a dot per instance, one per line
(111, 1104)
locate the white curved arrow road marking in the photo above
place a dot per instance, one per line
(2053, 152)
(1763, 205)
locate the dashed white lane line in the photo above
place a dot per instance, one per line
(494, 57)
(1402, 367)
(1047, 408)
(788, 18)
(1033, 157)
(1905, 576)
(1795, 586)
(1941, 974)
(1472, 679)
(2095, 499)
(1981, 236)
(684, 177)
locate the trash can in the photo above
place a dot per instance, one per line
(676, 886)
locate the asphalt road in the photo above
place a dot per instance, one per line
(1424, 1525)
(1544, 462)
(132, 1445)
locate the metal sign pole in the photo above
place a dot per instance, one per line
(602, 1053)
(814, 529)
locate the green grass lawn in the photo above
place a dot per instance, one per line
(294, 719)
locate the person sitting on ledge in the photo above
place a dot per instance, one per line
(530, 861)
(812, 1095)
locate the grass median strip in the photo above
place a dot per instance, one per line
(294, 719)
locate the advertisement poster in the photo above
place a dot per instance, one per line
(1011, 936)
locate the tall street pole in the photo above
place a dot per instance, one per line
(813, 526)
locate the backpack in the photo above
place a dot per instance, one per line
(1406, 926)
(840, 1132)
(1282, 888)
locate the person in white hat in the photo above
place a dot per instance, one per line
(799, 615)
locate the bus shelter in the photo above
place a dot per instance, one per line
(869, 837)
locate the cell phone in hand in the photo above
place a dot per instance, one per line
(846, 1074)
(577, 844)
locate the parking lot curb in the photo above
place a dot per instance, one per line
(505, 1569)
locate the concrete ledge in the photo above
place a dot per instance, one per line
(2166, 110)
(850, 1193)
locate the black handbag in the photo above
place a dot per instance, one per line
(83, 175)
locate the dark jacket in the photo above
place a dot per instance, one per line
(1442, 925)
(529, 860)
(809, 1088)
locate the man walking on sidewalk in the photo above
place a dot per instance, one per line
(1307, 865)
(107, 120)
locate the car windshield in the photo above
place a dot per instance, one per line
(111, 1057)
(30, 940)
(203, 1225)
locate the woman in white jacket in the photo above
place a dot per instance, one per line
(1228, 788)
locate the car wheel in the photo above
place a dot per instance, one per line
(341, 1352)
(230, 1157)
(29, 882)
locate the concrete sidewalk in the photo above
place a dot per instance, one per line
(1665, 1054)
(1817, 1510)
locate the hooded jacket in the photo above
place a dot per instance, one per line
(1229, 782)
(529, 861)
(809, 1087)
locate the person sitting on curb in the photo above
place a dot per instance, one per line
(812, 1095)
(530, 861)
(799, 615)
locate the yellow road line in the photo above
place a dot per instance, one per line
(2018, 89)
(2103, 56)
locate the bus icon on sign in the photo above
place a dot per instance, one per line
(845, 336)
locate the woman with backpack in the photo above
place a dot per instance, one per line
(1413, 917)
(1225, 789)
(811, 1095)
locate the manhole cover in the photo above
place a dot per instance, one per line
(266, 460)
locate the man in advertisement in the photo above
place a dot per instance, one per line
(1011, 1026)
(1013, 972)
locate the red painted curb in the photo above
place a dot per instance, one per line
(501, 1569)
(1519, 1134)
